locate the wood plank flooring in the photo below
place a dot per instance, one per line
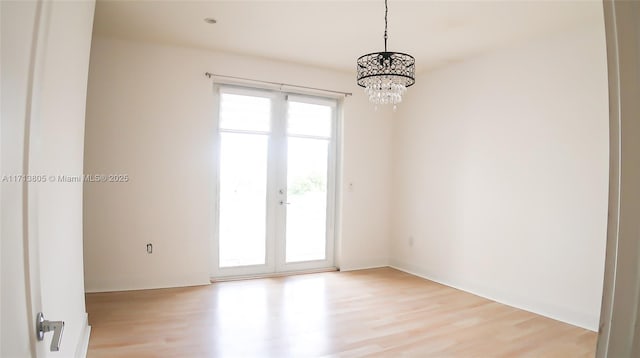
(379, 313)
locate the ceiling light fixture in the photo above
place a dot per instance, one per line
(386, 75)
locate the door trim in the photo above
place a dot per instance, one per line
(29, 190)
(329, 260)
(619, 330)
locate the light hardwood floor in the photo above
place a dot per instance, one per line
(379, 312)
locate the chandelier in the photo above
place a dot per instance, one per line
(386, 75)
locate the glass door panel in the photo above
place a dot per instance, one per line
(309, 119)
(245, 113)
(245, 122)
(306, 222)
(309, 132)
(243, 195)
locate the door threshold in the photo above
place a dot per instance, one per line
(272, 274)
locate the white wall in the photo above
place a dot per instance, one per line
(501, 174)
(149, 115)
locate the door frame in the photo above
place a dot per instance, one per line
(332, 166)
(275, 261)
(619, 329)
(29, 190)
(269, 265)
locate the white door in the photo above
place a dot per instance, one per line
(45, 59)
(276, 182)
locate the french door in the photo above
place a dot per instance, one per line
(276, 180)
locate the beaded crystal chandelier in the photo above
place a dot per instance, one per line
(385, 76)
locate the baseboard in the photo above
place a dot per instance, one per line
(353, 265)
(273, 274)
(572, 318)
(83, 343)
(142, 283)
(358, 268)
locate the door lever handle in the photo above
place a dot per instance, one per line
(43, 326)
(282, 202)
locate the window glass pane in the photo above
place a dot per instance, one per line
(309, 119)
(239, 112)
(243, 195)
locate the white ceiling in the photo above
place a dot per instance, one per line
(333, 34)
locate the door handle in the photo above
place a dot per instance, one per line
(43, 326)
(282, 202)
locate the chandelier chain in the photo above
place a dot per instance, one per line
(386, 11)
